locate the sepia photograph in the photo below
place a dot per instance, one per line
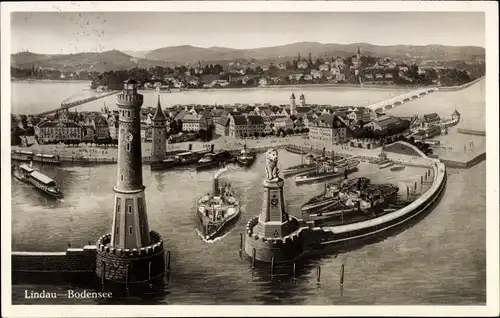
(249, 154)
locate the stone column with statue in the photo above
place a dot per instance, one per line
(273, 230)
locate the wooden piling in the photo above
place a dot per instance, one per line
(253, 258)
(241, 242)
(342, 274)
(149, 272)
(168, 260)
(318, 274)
(272, 267)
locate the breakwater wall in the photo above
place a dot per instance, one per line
(374, 228)
(458, 88)
(312, 239)
(471, 132)
(464, 164)
(73, 260)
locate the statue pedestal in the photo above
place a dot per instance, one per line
(273, 234)
(274, 222)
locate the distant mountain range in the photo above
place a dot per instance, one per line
(187, 54)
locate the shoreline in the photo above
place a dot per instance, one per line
(308, 85)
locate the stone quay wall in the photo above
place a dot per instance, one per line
(72, 260)
(130, 265)
(282, 249)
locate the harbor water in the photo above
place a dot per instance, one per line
(441, 260)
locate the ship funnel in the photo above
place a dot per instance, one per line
(324, 152)
(216, 186)
(212, 147)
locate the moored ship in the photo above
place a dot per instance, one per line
(179, 160)
(308, 164)
(29, 174)
(246, 157)
(357, 198)
(214, 160)
(327, 171)
(217, 211)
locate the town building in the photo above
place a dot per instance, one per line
(284, 123)
(384, 123)
(328, 128)
(241, 126)
(194, 123)
(431, 119)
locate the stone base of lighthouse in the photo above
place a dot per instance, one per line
(130, 266)
(274, 233)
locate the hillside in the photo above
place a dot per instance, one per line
(100, 62)
(117, 60)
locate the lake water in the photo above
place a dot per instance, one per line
(441, 260)
(26, 96)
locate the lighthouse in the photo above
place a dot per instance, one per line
(131, 252)
(292, 104)
(159, 134)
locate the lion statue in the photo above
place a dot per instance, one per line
(272, 164)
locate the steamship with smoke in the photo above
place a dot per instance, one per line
(217, 211)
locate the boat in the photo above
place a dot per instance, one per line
(28, 174)
(329, 198)
(46, 158)
(308, 164)
(213, 160)
(245, 158)
(385, 164)
(397, 168)
(350, 197)
(327, 171)
(21, 155)
(218, 210)
(182, 159)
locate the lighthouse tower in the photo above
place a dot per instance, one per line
(131, 252)
(292, 104)
(302, 100)
(159, 134)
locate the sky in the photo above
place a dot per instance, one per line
(72, 32)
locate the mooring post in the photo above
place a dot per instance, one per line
(241, 242)
(168, 261)
(318, 274)
(253, 258)
(127, 268)
(149, 272)
(272, 267)
(342, 274)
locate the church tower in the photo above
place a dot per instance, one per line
(292, 104)
(302, 100)
(159, 133)
(131, 253)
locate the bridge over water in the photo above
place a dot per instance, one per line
(69, 103)
(395, 101)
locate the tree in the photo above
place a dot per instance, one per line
(256, 134)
